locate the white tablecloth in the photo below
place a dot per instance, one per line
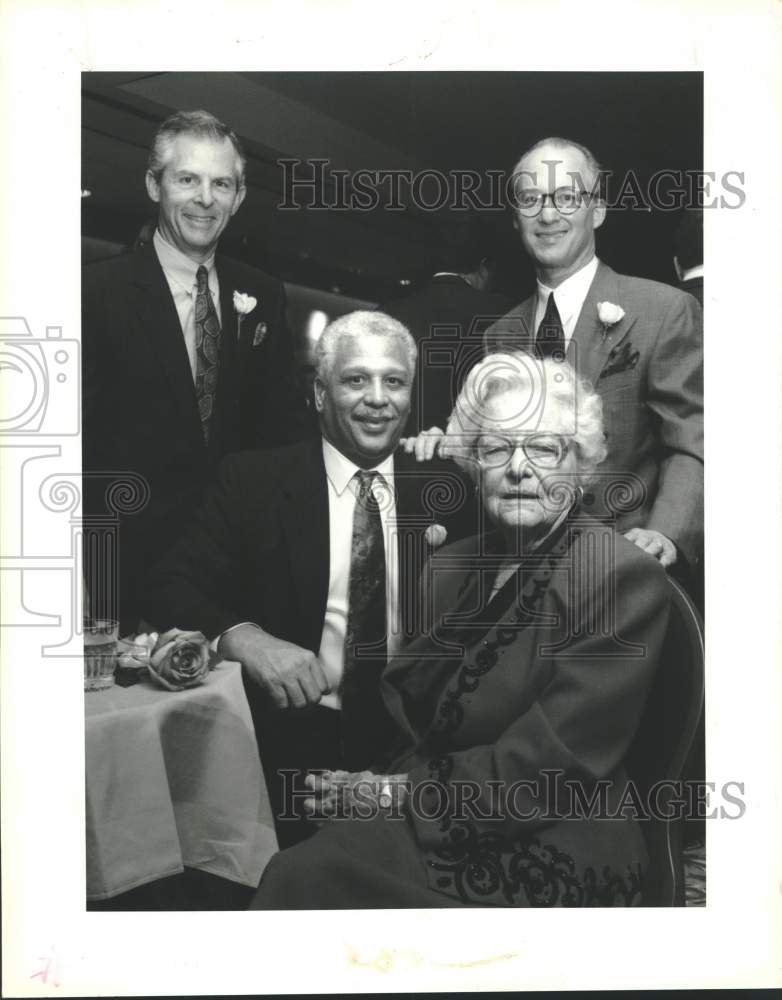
(173, 779)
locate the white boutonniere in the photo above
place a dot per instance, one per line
(243, 304)
(609, 314)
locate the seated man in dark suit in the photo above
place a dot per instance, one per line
(186, 355)
(304, 562)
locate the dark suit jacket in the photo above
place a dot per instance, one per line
(448, 318)
(551, 675)
(648, 370)
(258, 548)
(139, 406)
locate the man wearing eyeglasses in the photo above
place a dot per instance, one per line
(639, 342)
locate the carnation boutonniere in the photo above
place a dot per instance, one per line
(609, 315)
(243, 304)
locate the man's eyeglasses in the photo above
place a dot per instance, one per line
(544, 451)
(566, 200)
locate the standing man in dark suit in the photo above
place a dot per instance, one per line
(304, 561)
(448, 316)
(186, 354)
(639, 342)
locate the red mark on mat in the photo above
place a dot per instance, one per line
(50, 969)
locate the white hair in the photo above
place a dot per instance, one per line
(536, 383)
(361, 323)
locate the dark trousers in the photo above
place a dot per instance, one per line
(293, 742)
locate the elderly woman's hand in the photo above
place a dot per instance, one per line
(424, 445)
(346, 793)
(656, 544)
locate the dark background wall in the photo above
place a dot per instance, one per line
(634, 122)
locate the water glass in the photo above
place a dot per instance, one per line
(100, 653)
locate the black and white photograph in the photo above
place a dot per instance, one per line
(544, 496)
(364, 477)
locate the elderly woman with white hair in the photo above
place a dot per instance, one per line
(516, 708)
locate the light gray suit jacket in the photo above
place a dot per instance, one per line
(648, 369)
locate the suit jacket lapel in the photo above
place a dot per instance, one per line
(159, 322)
(410, 553)
(227, 315)
(239, 334)
(412, 480)
(516, 330)
(591, 344)
(306, 528)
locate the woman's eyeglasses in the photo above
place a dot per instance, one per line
(544, 451)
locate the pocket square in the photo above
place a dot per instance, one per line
(260, 333)
(619, 360)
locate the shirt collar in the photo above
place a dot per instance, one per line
(692, 272)
(178, 266)
(452, 274)
(571, 293)
(340, 470)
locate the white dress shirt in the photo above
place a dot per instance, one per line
(180, 272)
(342, 490)
(569, 297)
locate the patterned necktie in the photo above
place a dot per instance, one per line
(550, 340)
(365, 722)
(207, 339)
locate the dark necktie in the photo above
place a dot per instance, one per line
(207, 340)
(550, 340)
(365, 722)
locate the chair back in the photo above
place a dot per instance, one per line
(665, 740)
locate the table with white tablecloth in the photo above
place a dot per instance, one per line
(174, 781)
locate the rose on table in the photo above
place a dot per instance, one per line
(179, 660)
(175, 660)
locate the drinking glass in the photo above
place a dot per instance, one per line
(100, 653)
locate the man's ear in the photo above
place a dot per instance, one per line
(153, 188)
(319, 391)
(599, 213)
(240, 194)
